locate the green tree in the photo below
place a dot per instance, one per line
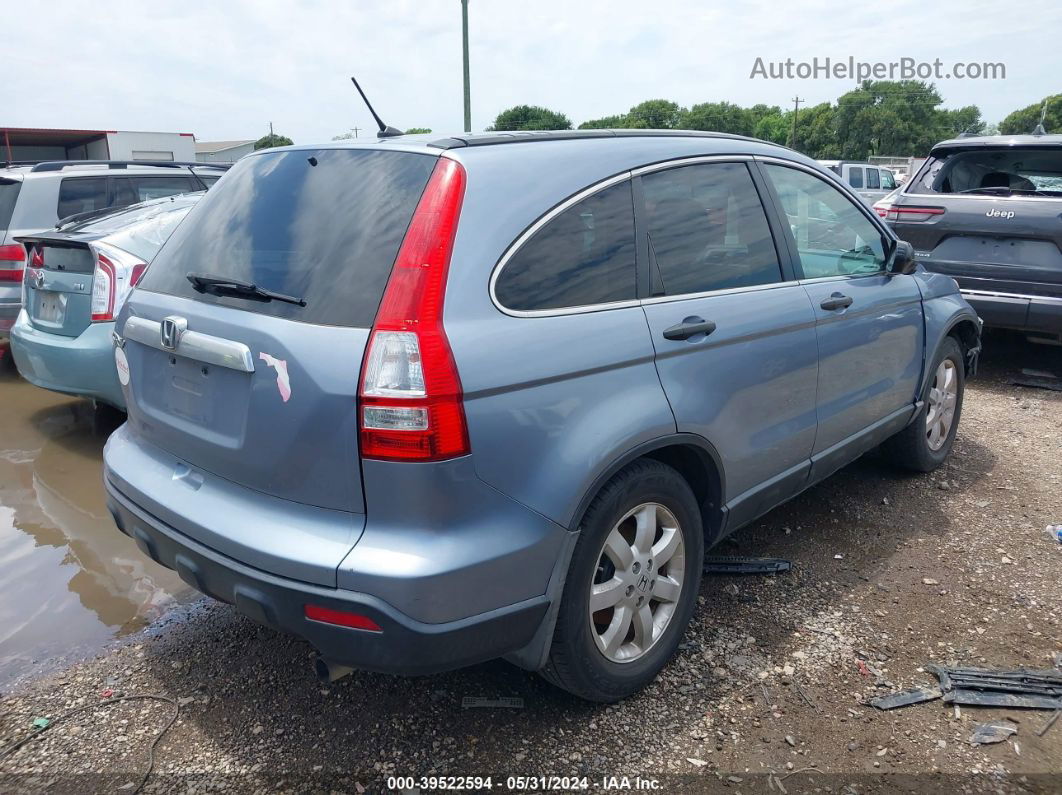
(719, 117)
(816, 131)
(418, 130)
(888, 118)
(606, 123)
(267, 141)
(1024, 120)
(962, 120)
(530, 117)
(655, 114)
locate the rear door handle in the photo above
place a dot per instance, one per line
(688, 328)
(836, 301)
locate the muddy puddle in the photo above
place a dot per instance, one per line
(69, 581)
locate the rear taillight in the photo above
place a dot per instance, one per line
(117, 272)
(911, 214)
(12, 261)
(410, 401)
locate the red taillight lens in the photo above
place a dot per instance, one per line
(410, 401)
(910, 214)
(341, 618)
(137, 273)
(12, 254)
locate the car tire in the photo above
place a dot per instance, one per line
(925, 444)
(589, 657)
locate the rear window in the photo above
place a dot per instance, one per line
(855, 177)
(8, 196)
(322, 225)
(1021, 171)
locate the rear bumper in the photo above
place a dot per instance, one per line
(82, 365)
(1017, 311)
(404, 646)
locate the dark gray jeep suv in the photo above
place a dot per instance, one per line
(987, 211)
(427, 403)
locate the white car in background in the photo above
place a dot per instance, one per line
(869, 181)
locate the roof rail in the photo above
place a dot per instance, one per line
(59, 165)
(515, 137)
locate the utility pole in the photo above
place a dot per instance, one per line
(796, 109)
(464, 42)
(270, 133)
(356, 131)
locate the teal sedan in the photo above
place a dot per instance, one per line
(76, 280)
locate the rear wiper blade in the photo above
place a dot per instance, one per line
(204, 281)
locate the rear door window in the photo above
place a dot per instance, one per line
(583, 256)
(873, 183)
(707, 230)
(81, 195)
(888, 181)
(855, 176)
(133, 190)
(323, 225)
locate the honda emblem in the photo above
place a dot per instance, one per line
(173, 328)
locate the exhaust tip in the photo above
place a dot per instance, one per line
(328, 671)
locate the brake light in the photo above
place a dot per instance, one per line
(909, 214)
(13, 253)
(410, 401)
(117, 272)
(103, 290)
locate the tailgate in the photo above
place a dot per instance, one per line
(258, 391)
(59, 285)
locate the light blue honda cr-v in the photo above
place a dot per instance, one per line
(431, 402)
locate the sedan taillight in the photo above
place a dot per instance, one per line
(117, 272)
(909, 214)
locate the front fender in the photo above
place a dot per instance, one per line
(945, 311)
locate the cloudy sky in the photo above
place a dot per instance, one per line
(225, 69)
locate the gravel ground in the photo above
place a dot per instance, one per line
(768, 693)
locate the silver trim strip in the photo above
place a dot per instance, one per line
(930, 198)
(754, 288)
(991, 294)
(688, 161)
(193, 345)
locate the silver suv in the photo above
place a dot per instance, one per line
(428, 404)
(34, 197)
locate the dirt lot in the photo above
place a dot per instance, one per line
(894, 570)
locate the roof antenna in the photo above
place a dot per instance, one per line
(385, 130)
(1039, 130)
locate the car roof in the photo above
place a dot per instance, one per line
(96, 226)
(983, 141)
(66, 168)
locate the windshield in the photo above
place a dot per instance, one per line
(1003, 171)
(321, 225)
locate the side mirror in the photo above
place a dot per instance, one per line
(902, 261)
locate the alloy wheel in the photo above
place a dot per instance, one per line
(943, 397)
(639, 578)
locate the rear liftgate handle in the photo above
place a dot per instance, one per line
(690, 327)
(836, 301)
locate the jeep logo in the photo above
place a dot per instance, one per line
(1008, 214)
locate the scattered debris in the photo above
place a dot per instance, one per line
(904, 698)
(696, 762)
(982, 687)
(1047, 726)
(725, 564)
(992, 732)
(930, 581)
(505, 702)
(790, 740)
(731, 589)
(1038, 379)
(1054, 531)
(40, 723)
